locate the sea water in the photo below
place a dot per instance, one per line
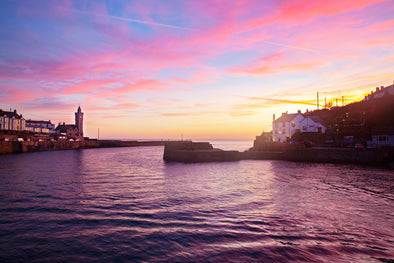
(127, 205)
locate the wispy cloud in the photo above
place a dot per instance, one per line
(289, 46)
(190, 58)
(125, 19)
(367, 78)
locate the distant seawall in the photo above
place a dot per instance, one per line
(118, 143)
(7, 147)
(38, 146)
(190, 152)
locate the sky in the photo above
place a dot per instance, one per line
(215, 69)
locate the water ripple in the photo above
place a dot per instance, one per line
(126, 205)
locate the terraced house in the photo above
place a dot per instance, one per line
(12, 121)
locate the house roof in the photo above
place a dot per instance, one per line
(287, 117)
(318, 120)
(65, 127)
(10, 114)
(34, 121)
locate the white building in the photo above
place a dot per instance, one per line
(383, 137)
(40, 126)
(312, 124)
(287, 125)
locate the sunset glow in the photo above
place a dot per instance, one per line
(197, 69)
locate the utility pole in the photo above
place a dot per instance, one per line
(343, 100)
(325, 102)
(317, 98)
(98, 134)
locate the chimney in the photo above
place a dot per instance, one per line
(377, 88)
(273, 117)
(299, 111)
(381, 87)
(64, 123)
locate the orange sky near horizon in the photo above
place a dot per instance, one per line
(193, 69)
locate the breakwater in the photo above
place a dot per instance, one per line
(119, 143)
(193, 152)
(7, 147)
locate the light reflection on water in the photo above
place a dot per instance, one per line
(126, 204)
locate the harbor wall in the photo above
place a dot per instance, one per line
(340, 155)
(118, 143)
(37, 145)
(7, 147)
(187, 152)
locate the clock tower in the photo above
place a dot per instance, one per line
(79, 122)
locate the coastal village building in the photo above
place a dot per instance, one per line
(287, 125)
(73, 131)
(40, 126)
(12, 121)
(382, 137)
(380, 92)
(312, 124)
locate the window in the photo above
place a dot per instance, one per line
(293, 124)
(382, 138)
(283, 131)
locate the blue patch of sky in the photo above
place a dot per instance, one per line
(10, 28)
(230, 59)
(43, 37)
(169, 73)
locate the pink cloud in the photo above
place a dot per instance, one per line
(86, 86)
(125, 63)
(273, 64)
(307, 9)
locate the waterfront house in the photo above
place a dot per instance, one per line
(286, 126)
(382, 137)
(40, 126)
(312, 124)
(11, 120)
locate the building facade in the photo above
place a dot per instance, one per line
(73, 131)
(287, 125)
(382, 137)
(12, 121)
(40, 126)
(312, 124)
